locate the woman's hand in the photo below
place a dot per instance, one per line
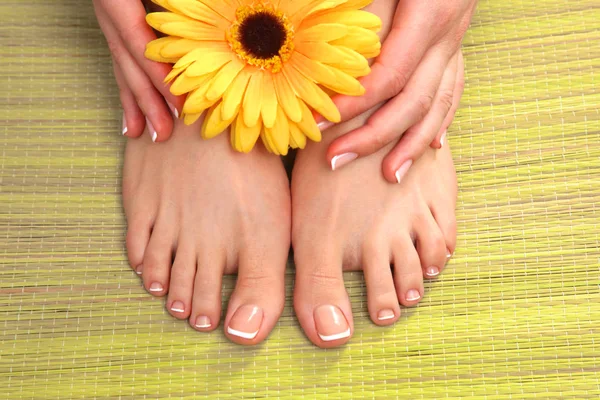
(419, 76)
(145, 97)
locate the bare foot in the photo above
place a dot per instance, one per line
(353, 219)
(197, 210)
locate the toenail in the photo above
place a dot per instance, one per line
(385, 314)
(402, 170)
(151, 130)
(139, 270)
(124, 131)
(331, 323)
(202, 322)
(246, 321)
(341, 160)
(448, 255)
(413, 295)
(156, 287)
(443, 138)
(432, 271)
(178, 306)
(173, 110)
(324, 125)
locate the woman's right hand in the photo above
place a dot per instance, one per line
(145, 97)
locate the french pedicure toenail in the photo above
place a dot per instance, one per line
(177, 306)
(402, 170)
(385, 314)
(156, 287)
(151, 130)
(202, 322)
(432, 271)
(246, 322)
(139, 270)
(443, 139)
(124, 131)
(413, 295)
(448, 255)
(324, 125)
(341, 160)
(331, 323)
(173, 110)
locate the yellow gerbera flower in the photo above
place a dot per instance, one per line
(260, 66)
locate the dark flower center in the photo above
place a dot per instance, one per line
(262, 35)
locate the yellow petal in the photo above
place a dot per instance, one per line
(209, 64)
(180, 47)
(287, 98)
(358, 18)
(189, 119)
(233, 97)
(181, 26)
(154, 50)
(279, 134)
(200, 11)
(224, 78)
(267, 141)
(359, 39)
(253, 99)
(269, 101)
(313, 70)
(322, 33)
(248, 135)
(213, 123)
(297, 138)
(332, 55)
(344, 83)
(308, 125)
(225, 8)
(196, 102)
(185, 84)
(164, 4)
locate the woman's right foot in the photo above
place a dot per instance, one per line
(197, 210)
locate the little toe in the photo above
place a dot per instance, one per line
(408, 275)
(381, 294)
(431, 245)
(258, 298)
(181, 286)
(139, 227)
(206, 298)
(320, 299)
(158, 259)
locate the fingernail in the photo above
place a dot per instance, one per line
(342, 159)
(151, 130)
(324, 125)
(432, 271)
(246, 321)
(178, 306)
(203, 322)
(413, 295)
(124, 131)
(139, 269)
(156, 287)
(331, 323)
(448, 255)
(385, 314)
(443, 139)
(402, 170)
(173, 110)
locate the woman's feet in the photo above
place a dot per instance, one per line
(197, 210)
(353, 219)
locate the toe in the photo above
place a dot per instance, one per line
(408, 276)
(445, 217)
(206, 298)
(139, 227)
(320, 298)
(431, 245)
(181, 286)
(158, 259)
(258, 299)
(381, 294)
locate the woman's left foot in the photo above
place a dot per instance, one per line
(352, 219)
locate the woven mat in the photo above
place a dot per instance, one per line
(516, 315)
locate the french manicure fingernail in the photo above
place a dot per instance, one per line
(331, 323)
(402, 170)
(246, 322)
(341, 160)
(173, 110)
(413, 295)
(178, 306)
(151, 130)
(202, 322)
(443, 139)
(432, 271)
(385, 314)
(324, 125)
(156, 287)
(124, 127)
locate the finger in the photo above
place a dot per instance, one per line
(130, 23)
(402, 50)
(133, 118)
(414, 142)
(459, 86)
(158, 116)
(400, 113)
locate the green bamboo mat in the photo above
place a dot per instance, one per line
(515, 316)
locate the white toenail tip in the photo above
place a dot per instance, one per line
(329, 338)
(443, 139)
(204, 326)
(138, 272)
(342, 159)
(124, 131)
(386, 317)
(177, 309)
(413, 298)
(402, 170)
(155, 290)
(154, 137)
(241, 334)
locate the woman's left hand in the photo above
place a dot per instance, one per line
(419, 77)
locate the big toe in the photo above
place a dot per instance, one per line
(320, 299)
